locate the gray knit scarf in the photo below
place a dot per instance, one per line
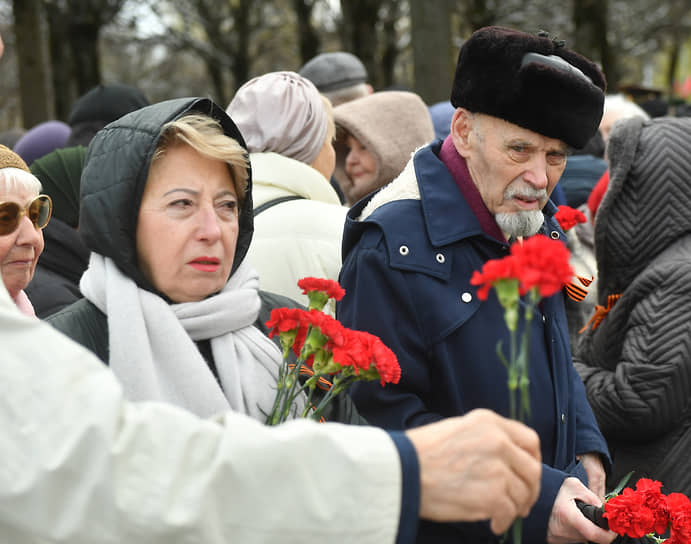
(152, 349)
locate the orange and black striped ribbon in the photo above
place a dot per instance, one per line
(578, 292)
(322, 383)
(601, 312)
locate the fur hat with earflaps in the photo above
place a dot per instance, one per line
(9, 159)
(532, 81)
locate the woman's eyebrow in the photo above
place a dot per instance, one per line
(182, 189)
(224, 193)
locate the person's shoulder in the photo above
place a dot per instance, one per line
(84, 323)
(274, 300)
(394, 217)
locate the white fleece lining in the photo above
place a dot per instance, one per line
(403, 187)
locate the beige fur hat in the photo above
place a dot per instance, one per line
(9, 159)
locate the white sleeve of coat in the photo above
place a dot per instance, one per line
(80, 464)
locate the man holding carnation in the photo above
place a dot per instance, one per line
(411, 249)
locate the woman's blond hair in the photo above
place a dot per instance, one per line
(205, 135)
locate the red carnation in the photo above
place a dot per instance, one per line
(330, 287)
(386, 362)
(653, 498)
(569, 217)
(538, 262)
(353, 352)
(543, 263)
(492, 272)
(287, 320)
(627, 515)
(679, 508)
(328, 326)
(366, 352)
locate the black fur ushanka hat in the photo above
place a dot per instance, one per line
(532, 81)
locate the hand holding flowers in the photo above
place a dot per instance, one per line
(538, 267)
(645, 513)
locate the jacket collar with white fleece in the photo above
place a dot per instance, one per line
(403, 187)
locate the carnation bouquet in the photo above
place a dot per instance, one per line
(321, 357)
(644, 514)
(538, 267)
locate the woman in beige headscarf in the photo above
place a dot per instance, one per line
(376, 136)
(289, 130)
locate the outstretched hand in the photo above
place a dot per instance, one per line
(479, 466)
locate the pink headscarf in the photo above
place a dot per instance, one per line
(281, 112)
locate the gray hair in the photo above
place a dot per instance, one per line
(346, 94)
(623, 107)
(15, 179)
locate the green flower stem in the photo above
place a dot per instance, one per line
(523, 359)
(295, 389)
(274, 416)
(517, 530)
(517, 364)
(339, 384)
(514, 373)
(510, 382)
(308, 404)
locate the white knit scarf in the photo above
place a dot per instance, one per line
(152, 350)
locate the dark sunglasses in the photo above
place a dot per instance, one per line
(39, 211)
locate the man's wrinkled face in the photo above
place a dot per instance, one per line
(514, 169)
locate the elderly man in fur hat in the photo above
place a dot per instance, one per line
(410, 250)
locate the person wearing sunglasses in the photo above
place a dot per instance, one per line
(23, 214)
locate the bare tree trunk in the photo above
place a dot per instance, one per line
(86, 54)
(32, 59)
(217, 81)
(433, 59)
(241, 58)
(308, 37)
(590, 24)
(360, 18)
(64, 88)
(390, 42)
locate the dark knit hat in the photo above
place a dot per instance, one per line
(99, 106)
(9, 159)
(334, 71)
(532, 81)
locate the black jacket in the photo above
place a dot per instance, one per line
(55, 284)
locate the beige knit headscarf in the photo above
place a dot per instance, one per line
(9, 159)
(390, 124)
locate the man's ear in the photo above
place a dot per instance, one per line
(461, 127)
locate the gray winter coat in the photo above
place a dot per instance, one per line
(636, 365)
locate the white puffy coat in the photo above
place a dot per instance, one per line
(297, 238)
